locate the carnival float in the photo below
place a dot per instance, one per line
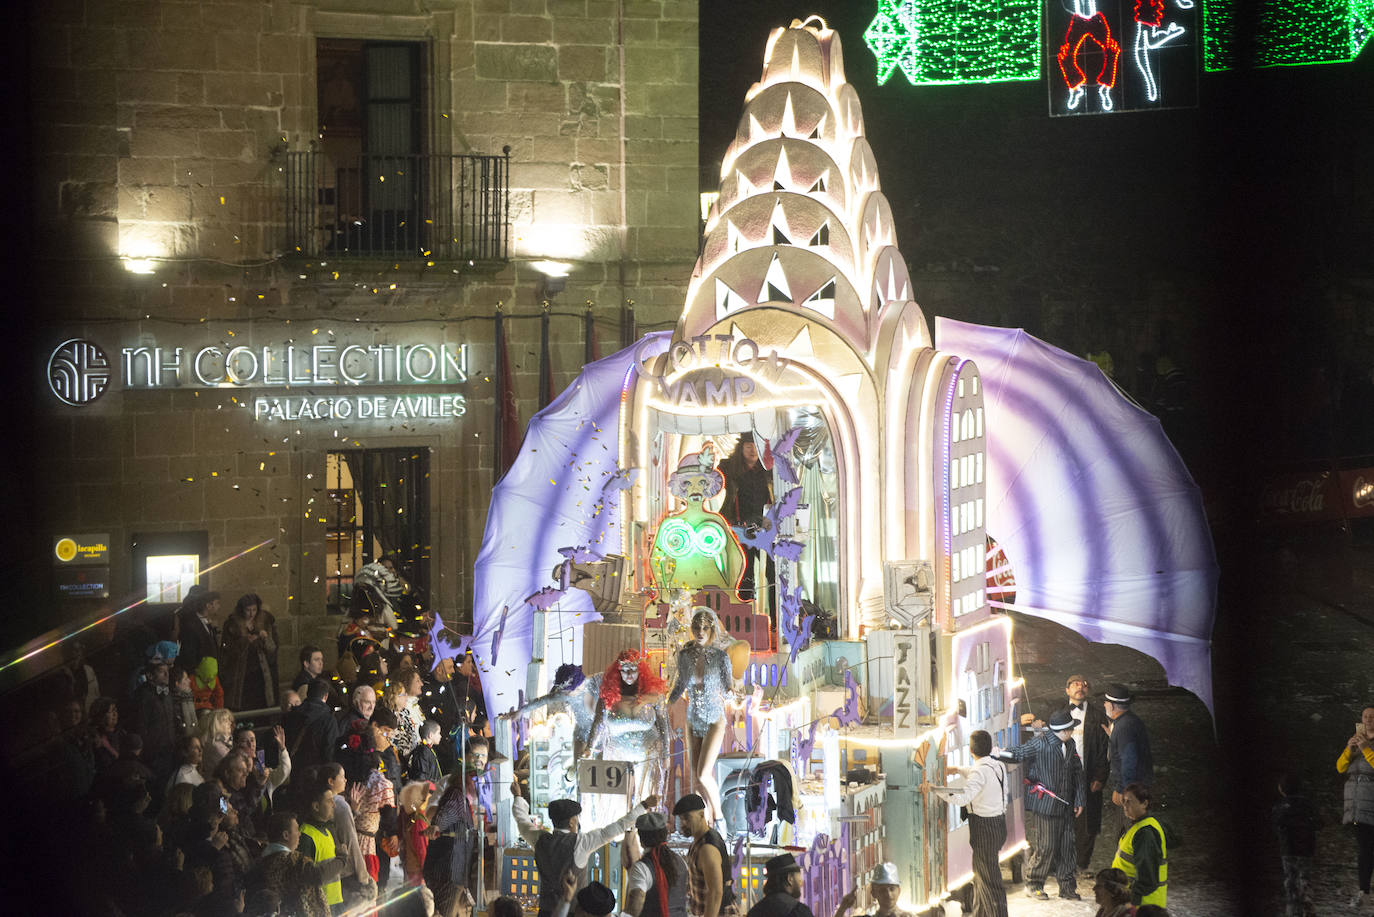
(769, 556)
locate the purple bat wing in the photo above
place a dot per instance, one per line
(545, 598)
(496, 639)
(787, 506)
(787, 549)
(784, 445)
(623, 479)
(759, 540)
(848, 715)
(785, 469)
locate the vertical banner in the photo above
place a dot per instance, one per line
(1105, 56)
(906, 703)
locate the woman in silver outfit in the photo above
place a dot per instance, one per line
(704, 675)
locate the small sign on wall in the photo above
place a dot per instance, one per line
(81, 549)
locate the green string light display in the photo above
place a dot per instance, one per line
(940, 42)
(1287, 33)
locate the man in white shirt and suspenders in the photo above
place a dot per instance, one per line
(984, 793)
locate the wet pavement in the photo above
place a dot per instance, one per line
(1293, 665)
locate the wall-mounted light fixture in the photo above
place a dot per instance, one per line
(138, 265)
(555, 277)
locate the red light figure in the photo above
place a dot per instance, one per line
(1087, 24)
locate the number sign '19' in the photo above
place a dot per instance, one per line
(612, 777)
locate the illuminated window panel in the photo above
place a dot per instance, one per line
(940, 42)
(170, 576)
(1285, 34)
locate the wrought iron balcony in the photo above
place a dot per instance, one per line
(440, 207)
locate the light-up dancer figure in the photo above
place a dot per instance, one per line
(1087, 24)
(1150, 34)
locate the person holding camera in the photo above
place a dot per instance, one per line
(1357, 763)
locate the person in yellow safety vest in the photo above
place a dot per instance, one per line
(317, 843)
(1141, 853)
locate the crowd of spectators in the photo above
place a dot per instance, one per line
(191, 783)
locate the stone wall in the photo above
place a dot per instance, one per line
(161, 132)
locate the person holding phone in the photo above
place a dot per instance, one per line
(1357, 763)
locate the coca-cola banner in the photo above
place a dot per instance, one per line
(1357, 489)
(1314, 496)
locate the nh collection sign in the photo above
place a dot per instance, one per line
(80, 370)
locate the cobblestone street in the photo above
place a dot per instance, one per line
(1291, 673)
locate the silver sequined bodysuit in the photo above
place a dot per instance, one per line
(705, 693)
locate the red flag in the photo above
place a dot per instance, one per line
(591, 347)
(508, 434)
(545, 361)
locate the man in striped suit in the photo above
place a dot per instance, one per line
(1055, 795)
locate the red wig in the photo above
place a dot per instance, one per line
(649, 682)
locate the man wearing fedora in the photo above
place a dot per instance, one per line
(1129, 746)
(595, 900)
(1090, 736)
(782, 889)
(1054, 798)
(566, 846)
(885, 887)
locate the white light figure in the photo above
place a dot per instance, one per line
(1151, 34)
(1088, 24)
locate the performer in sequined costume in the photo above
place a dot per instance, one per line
(629, 725)
(705, 676)
(572, 693)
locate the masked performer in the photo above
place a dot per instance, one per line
(629, 725)
(574, 694)
(705, 676)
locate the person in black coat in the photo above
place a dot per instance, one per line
(157, 725)
(1129, 746)
(197, 630)
(782, 890)
(312, 732)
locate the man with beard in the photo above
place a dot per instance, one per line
(782, 890)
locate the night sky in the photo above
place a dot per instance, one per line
(1222, 235)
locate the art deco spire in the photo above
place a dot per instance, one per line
(801, 222)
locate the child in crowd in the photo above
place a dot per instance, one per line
(1295, 819)
(423, 763)
(205, 686)
(414, 806)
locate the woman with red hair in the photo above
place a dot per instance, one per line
(628, 719)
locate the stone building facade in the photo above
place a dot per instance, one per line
(203, 173)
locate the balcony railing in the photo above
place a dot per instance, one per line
(440, 207)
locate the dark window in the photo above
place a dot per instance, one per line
(379, 505)
(371, 117)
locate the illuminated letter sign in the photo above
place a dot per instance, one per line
(906, 678)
